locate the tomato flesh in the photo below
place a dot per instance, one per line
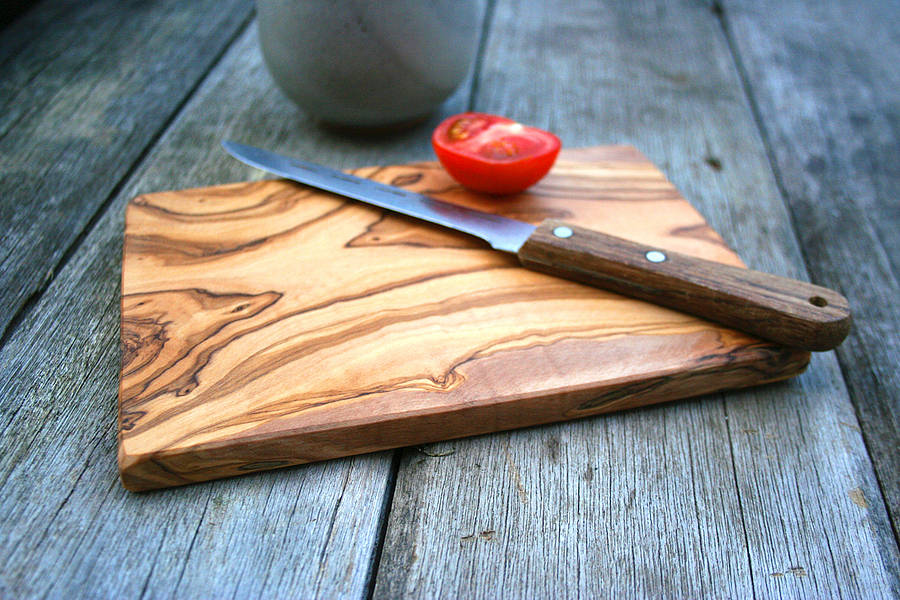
(493, 154)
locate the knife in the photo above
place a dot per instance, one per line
(782, 310)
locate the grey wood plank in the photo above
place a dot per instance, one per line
(756, 493)
(826, 85)
(84, 91)
(587, 509)
(69, 527)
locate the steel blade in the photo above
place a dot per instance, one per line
(500, 232)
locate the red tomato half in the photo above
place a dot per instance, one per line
(494, 154)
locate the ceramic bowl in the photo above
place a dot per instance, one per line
(369, 63)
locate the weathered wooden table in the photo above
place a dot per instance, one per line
(779, 120)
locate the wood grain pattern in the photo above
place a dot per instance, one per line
(766, 492)
(779, 309)
(267, 324)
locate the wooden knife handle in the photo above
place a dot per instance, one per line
(790, 312)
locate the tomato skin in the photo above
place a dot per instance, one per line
(493, 154)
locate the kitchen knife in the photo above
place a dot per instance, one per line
(786, 311)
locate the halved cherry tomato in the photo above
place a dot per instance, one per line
(494, 154)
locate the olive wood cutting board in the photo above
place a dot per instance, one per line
(267, 324)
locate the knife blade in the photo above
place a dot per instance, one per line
(779, 309)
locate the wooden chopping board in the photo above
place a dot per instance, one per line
(266, 324)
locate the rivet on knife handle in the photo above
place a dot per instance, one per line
(789, 312)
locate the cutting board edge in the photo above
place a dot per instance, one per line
(237, 456)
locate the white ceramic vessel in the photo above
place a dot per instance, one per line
(369, 63)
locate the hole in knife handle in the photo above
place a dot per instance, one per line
(818, 301)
